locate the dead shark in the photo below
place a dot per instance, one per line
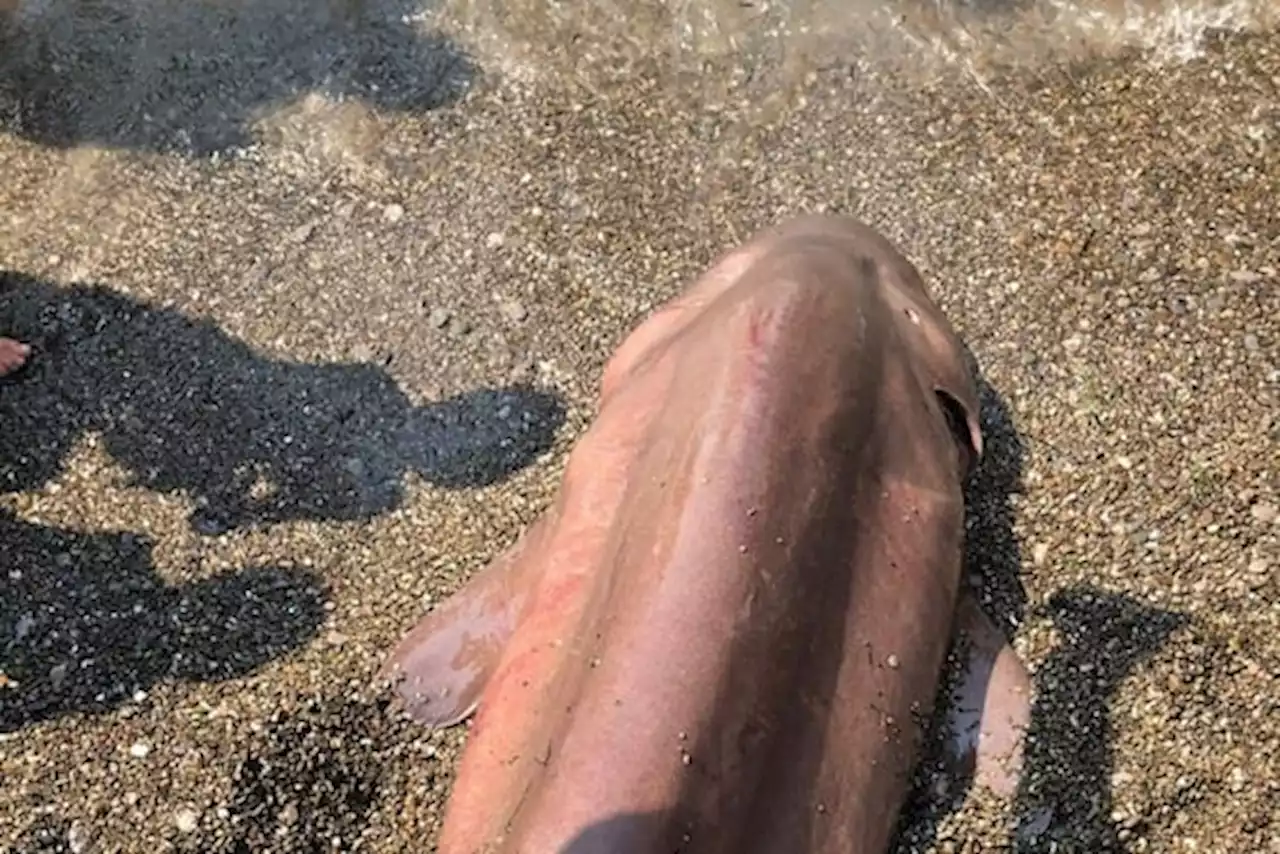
(733, 619)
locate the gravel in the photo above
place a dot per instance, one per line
(310, 348)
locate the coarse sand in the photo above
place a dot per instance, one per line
(319, 294)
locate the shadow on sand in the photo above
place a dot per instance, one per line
(87, 623)
(252, 440)
(1064, 798)
(84, 620)
(191, 78)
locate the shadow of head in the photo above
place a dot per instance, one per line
(87, 623)
(251, 440)
(191, 78)
(1064, 797)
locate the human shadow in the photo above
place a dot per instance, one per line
(184, 407)
(1064, 794)
(86, 623)
(191, 78)
(1064, 797)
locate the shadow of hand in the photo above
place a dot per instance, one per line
(87, 623)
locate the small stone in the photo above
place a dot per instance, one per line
(1244, 277)
(257, 273)
(892, 661)
(1264, 512)
(302, 233)
(77, 838)
(209, 525)
(494, 240)
(514, 311)
(1072, 344)
(58, 675)
(523, 370)
(1251, 343)
(140, 750)
(1259, 566)
(186, 820)
(393, 213)
(439, 317)
(289, 815)
(1040, 553)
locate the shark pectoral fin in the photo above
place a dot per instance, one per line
(991, 708)
(441, 667)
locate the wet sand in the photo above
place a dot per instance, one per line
(319, 297)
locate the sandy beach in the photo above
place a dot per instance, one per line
(319, 295)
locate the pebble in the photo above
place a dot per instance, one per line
(209, 525)
(302, 233)
(77, 838)
(140, 750)
(1264, 512)
(186, 820)
(289, 815)
(439, 318)
(393, 213)
(514, 311)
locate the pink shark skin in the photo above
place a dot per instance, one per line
(733, 619)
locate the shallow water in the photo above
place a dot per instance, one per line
(203, 77)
